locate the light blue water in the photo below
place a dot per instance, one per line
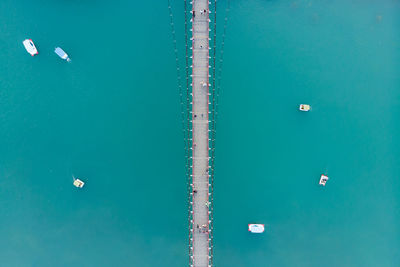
(342, 58)
(111, 117)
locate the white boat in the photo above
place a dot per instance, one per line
(62, 54)
(304, 107)
(30, 47)
(256, 228)
(323, 180)
(78, 183)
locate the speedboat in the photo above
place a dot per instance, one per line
(62, 54)
(78, 183)
(256, 228)
(30, 47)
(323, 180)
(304, 107)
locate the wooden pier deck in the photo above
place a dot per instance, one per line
(201, 256)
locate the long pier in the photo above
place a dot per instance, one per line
(200, 245)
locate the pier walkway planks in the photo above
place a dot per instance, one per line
(200, 127)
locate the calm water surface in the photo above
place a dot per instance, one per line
(342, 58)
(111, 117)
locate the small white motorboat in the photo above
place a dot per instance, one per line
(256, 228)
(30, 47)
(304, 107)
(323, 180)
(62, 54)
(78, 183)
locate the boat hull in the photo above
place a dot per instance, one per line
(30, 47)
(61, 53)
(304, 107)
(323, 180)
(256, 228)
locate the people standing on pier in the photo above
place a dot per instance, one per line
(204, 228)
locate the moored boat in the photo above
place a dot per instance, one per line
(323, 180)
(256, 228)
(30, 47)
(304, 107)
(78, 183)
(61, 53)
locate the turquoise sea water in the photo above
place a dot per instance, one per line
(111, 117)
